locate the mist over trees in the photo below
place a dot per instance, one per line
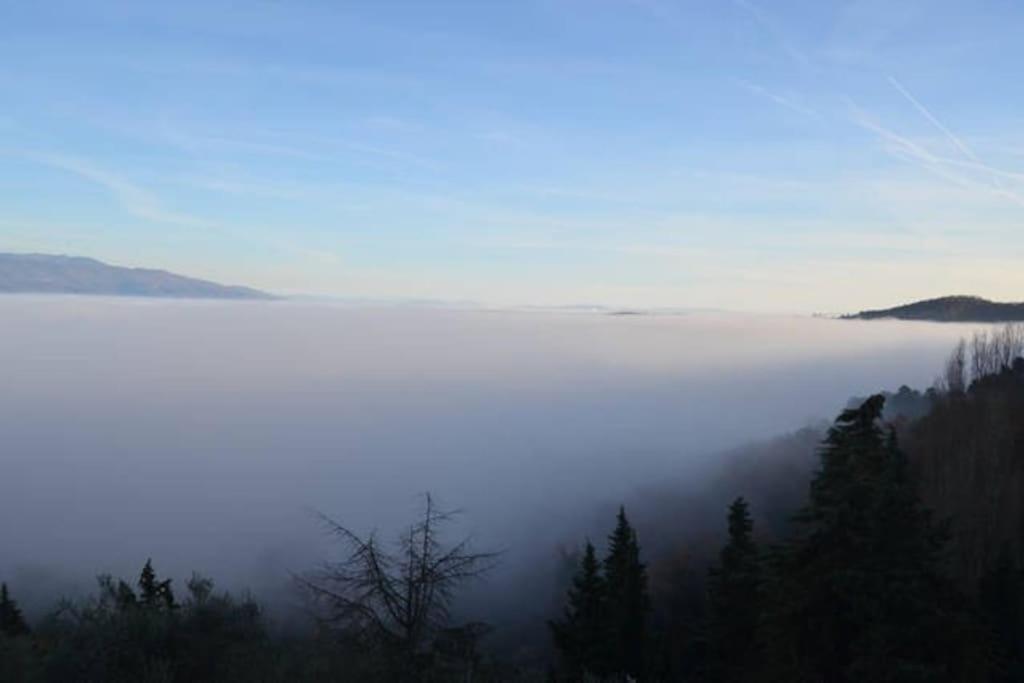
(530, 422)
(857, 594)
(735, 602)
(142, 634)
(887, 548)
(967, 452)
(866, 582)
(604, 632)
(581, 634)
(397, 603)
(987, 353)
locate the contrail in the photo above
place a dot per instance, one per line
(938, 124)
(908, 150)
(776, 98)
(960, 144)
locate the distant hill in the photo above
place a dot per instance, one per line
(950, 309)
(47, 274)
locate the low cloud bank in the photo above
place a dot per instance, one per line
(201, 434)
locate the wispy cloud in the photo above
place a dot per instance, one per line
(950, 135)
(143, 204)
(781, 100)
(953, 170)
(322, 149)
(133, 198)
(957, 142)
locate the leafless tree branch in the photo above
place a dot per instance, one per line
(400, 596)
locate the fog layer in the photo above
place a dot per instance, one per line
(201, 434)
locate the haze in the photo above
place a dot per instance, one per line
(202, 434)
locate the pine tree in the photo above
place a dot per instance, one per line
(1001, 594)
(12, 622)
(917, 626)
(858, 595)
(734, 601)
(580, 636)
(628, 601)
(153, 593)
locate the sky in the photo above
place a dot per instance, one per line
(798, 156)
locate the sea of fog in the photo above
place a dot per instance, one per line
(204, 434)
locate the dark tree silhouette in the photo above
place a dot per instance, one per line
(581, 634)
(628, 602)
(153, 593)
(399, 599)
(734, 587)
(12, 622)
(1001, 597)
(967, 453)
(858, 594)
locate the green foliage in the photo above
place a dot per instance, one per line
(734, 588)
(581, 634)
(604, 632)
(858, 594)
(120, 636)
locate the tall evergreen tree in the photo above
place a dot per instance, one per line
(734, 599)
(12, 622)
(858, 594)
(153, 593)
(628, 601)
(581, 634)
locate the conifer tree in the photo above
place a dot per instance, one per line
(12, 622)
(581, 635)
(858, 595)
(153, 593)
(628, 601)
(734, 601)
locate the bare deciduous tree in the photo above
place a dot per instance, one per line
(399, 598)
(987, 354)
(954, 378)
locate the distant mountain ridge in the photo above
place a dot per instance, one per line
(962, 309)
(53, 274)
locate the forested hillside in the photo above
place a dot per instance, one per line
(968, 451)
(964, 309)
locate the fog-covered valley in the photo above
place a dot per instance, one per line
(203, 434)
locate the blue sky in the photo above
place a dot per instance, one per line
(783, 156)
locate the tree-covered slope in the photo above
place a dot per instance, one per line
(949, 309)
